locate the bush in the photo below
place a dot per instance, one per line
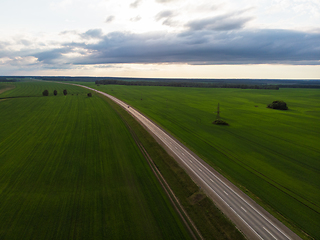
(45, 93)
(89, 94)
(55, 92)
(278, 105)
(220, 122)
(65, 92)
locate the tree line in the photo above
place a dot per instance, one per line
(203, 84)
(4, 79)
(65, 92)
(186, 84)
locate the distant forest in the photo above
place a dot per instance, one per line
(6, 79)
(272, 84)
(228, 83)
(186, 84)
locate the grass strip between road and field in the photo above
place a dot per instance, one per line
(210, 221)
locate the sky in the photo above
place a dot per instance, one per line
(258, 39)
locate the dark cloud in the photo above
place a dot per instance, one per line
(192, 47)
(52, 56)
(207, 47)
(219, 23)
(109, 19)
(92, 33)
(135, 4)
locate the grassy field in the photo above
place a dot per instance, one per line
(5, 87)
(209, 220)
(272, 155)
(69, 169)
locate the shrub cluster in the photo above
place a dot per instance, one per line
(55, 92)
(278, 105)
(45, 93)
(220, 122)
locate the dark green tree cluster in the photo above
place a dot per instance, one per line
(279, 104)
(55, 92)
(186, 84)
(4, 79)
(45, 93)
(89, 94)
(220, 122)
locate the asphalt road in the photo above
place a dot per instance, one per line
(248, 216)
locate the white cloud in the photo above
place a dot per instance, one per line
(18, 61)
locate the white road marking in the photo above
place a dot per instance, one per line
(200, 170)
(243, 209)
(270, 233)
(226, 193)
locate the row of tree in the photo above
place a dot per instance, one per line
(4, 79)
(55, 92)
(203, 84)
(186, 84)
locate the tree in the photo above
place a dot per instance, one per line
(65, 92)
(89, 94)
(45, 93)
(278, 105)
(55, 92)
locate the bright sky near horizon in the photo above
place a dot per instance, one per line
(161, 38)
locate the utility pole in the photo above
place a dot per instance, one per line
(218, 112)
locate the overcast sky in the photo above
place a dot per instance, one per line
(161, 38)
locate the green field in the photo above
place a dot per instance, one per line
(69, 169)
(272, 155)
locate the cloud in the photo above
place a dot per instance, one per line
(51, 56)
(219, 23)
(163, 14)
(135, 19)
(73, 32)
(92, 33)
(109, 19)
(165, 1)
(135, 4)
(25, 42)
(191, 47)
(207, 47)
(167, 17)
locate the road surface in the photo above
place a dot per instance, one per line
(249, 217)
